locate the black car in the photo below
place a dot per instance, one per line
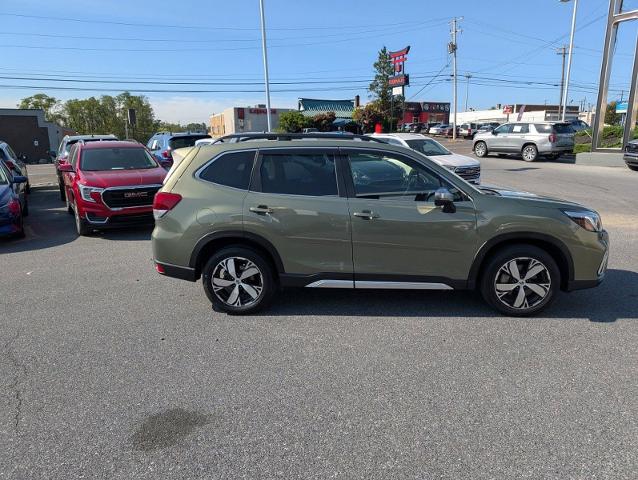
(13, 203)
(631, 155)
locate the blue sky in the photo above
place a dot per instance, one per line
(328, 45)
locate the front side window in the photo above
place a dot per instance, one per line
(503, 129)
(299, 174)
(231, 169)
(73, 155)
(102, 159)
(377, 175)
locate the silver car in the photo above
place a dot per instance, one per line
(530, 140)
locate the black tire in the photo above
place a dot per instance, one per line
(242, 258)
(480, 149)
(529, 152)
(28, 188)
(25, 209)
(62, 192)
(633, 167)
(525, 256)
(81, 225)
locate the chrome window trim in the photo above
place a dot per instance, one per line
(130, 187)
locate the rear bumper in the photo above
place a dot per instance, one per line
(631, 158)
(175, 271)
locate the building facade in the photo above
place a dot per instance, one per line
(244, 119)
(530, 113)
(28, 133)
(426, 112)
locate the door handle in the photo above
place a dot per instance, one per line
(366, 215)
(261, 209)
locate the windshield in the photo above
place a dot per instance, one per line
(428, 147)
(185, 141)
(117, 159)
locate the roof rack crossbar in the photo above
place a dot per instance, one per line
(243, 137)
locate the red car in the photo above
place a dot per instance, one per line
(110, 184)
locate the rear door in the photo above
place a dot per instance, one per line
(298, 203)
(398, 234)
(517, 137)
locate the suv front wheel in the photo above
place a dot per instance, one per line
(238, 280)
(520, 280)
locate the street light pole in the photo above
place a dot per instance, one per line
(569, 58)
(265, 53)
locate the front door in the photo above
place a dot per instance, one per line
(295, 203)
(500, 141)
(398, 234)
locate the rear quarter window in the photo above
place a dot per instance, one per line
(563, 128)
(543, 128)
(231, 169)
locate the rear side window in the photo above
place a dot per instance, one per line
(231, 170)
(299, 174)
(563, 128)
(520, 128)
(543, 128)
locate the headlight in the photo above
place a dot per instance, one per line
(450, 167)
(86, 191)
(587, 219)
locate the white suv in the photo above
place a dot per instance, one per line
(465, 167)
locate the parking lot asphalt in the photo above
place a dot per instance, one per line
(109, 370)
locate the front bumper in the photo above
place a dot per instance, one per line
(129, 219)
(631, 158)
(594, 271)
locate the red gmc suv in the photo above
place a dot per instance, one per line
(110, 184)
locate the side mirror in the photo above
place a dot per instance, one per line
(65, 167)
(19, 179)
(444, 198)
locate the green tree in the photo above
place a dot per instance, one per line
(367, 117)
(324, 122)
(293, 121)
(381, 91)
(611, 117)
(50, 105)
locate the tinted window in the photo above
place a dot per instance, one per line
(503, 129)
(231, 170)
(185, 141)
(543, 128)
(299, 174)
(101, 159)
(384, 176)
(563, 128)
(520, 128)
(73, 154)
(428, 147)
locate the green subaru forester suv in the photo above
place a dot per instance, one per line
(255, 213)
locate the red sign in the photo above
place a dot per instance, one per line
(399, 81)
(398, 59)
(507, 109)
(262, 111)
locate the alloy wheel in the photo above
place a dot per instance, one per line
(522, 283)
(529, 153)
(480, 149)
(237, 282)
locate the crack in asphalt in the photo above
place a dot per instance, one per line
(13, 386)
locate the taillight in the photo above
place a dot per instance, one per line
(160, 268)
(553, 138)
(167, 154)
(164, 202)
(11, 166)
(14, 207)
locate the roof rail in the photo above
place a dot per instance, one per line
(244, 137)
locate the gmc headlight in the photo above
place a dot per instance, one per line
(450, 167)
(587, 219)
(86, 191)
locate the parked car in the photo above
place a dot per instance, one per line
(163, 143)
(468, 130)
(579, 125)
(111, 184)
(13, 203)
(530, 140)
(448, 131)
(467, 168)
(15, 163)
(438, 129)
(62, 155)
(631, 155)
(250, 217)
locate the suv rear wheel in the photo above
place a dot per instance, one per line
(238, 280)
(530, 153)
(520, 280)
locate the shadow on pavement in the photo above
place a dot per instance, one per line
(616, 298)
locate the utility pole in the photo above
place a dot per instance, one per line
(569, 59)
(452, 47)
(467, 89)
(265, 55)
(562, 51)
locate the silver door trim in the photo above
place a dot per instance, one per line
(331, 284)
(402, 285)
